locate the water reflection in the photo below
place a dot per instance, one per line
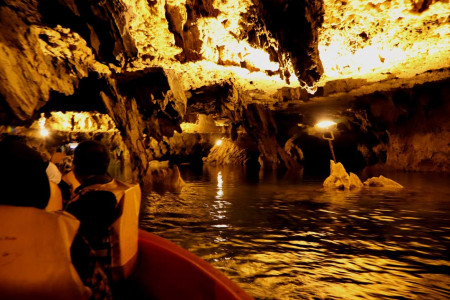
(219, 186)
(219, 210)
(287, 238)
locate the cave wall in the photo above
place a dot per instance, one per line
(148, 64)
(36, 60)
(51, 49)
(403, 128)
(416, 123)
(142, 111)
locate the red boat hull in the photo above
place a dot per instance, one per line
(166, 271)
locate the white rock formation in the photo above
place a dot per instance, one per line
(340, 179)
(382, 181)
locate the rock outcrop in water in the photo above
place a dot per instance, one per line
(383, 182)
(341, 180)
(163, 177)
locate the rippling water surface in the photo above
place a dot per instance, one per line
(287, 238)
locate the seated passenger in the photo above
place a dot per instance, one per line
(35, 260)
(54, 176)
(108, 210)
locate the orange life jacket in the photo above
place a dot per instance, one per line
(124, 230)
(35, 260)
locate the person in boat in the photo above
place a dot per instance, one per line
(107, 209)
(54, 176)
(35, 244)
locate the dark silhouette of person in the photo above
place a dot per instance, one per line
(36, 260)
(106, 209)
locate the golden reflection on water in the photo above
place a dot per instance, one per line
(219, 195)
(295, 241)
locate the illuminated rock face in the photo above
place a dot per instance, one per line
(340, 179)
(37, 60)
(152, 64)
(227, 153)
(378, 39)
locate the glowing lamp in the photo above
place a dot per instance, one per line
(44, 132)
(219, 142)
(324, 127)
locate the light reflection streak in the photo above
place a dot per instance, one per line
(219, 195)
(219, 204)
(219, 180)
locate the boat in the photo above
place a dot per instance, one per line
(166, 271)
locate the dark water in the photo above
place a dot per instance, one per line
(287, 238)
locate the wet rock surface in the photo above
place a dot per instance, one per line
(265, 70)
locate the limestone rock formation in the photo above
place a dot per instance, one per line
(259, 124)
(227, 153)
(383, 182)
(416, 125)
(377, 39)
(340, 179)
(379, 68)
(163, 177)
(37, 60)
(293, 150)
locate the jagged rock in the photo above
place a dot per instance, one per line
(340, 179)
(282, 20)
(418, 151)
(261, 126)
(293, 150)
(227, 153)
(203, 124)
(382, 181)
(163, 177)
(355, 181)
(36, 60)
(401, 44)
(143, 111)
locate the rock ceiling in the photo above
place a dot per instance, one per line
(377, 39)
(149, 63)
(259, 45)
(372, 40)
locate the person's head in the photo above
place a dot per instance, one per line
(90, 158)
(23, 180)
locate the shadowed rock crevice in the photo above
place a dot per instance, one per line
(101, 24)
(85, 98)
(294, 25)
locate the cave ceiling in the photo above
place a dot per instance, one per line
(259, 46)
(268, 44)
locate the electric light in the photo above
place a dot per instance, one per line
(326, 125)
(44, 132)
(219, 142)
